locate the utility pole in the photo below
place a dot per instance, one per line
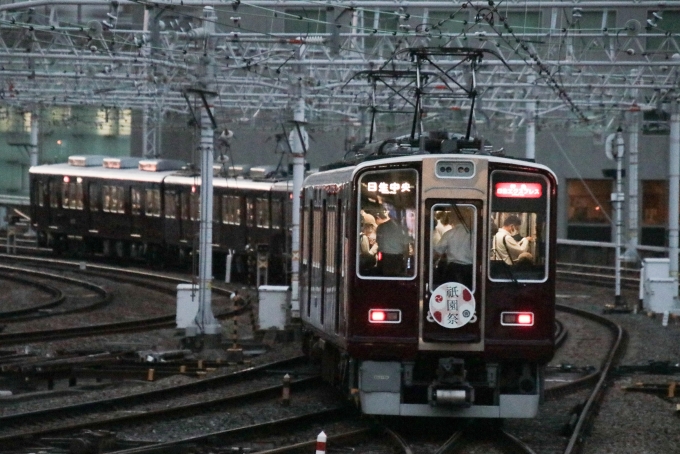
(617, 198)
(530, 151)
(35, 129)
(633, 115)
(298, 144)
(298, 141)
(205, 322)
(673, 196)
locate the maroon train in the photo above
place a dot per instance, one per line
(397, 328)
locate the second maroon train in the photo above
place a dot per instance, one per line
(148, 210)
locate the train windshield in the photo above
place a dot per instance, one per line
(519, 217)
(387, 223)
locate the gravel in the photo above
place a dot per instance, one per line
(628, 422)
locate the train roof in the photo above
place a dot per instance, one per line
(342, 174)
(133, 174)
(220, 182)
(160, 170)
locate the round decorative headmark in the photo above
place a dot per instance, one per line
(452, 305)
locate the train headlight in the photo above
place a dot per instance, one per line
(384, 316)
(517, 318)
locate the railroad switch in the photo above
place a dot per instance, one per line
(93, 442)
(653, 367)
(616, 309)
(668, 390)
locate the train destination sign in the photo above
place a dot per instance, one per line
(519, 190)
(388, 188)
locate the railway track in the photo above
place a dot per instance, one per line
(597, 275)
(596, 379)
(251, 385)
(151, 281)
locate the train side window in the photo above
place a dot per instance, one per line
(231, 209)
(136, 196)
(518, 227)
(453, 240)
(387, 223)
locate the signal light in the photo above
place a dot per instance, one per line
(66, 179)
(384, 316)
(517, 318)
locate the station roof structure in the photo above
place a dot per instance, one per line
(581, 62)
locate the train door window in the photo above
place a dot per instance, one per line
(277, 214)
(78, 197)
(216, 211)
(93, 190)
(170, 205)
(153, 202)
(106, 191)
(387, 224)
(250, 212)
(118, 199)
(339, 241)
(519, 226)
(72, 196)
(54, 199)
(65, 195)
(195, 206)
(262, 212)
(184, 206)
(453, 240)
(305, 238)
(136, 205)
(39, 194)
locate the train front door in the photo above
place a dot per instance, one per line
(451, 303)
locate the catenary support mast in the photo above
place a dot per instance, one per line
(673, 196)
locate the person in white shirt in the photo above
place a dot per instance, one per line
(443, 225)
(507, 248)
(456, 243)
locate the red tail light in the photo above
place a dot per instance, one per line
(379, 255)
(384, 316)
(517, 318)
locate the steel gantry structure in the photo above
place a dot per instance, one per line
(593, 59)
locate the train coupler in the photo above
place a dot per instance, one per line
(462, 395)
(451, 387)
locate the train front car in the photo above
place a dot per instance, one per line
(435, 295)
